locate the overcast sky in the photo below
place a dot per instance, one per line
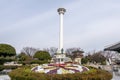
(88, 24)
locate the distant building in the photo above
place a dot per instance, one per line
(78, 60)
(79, 56)
(113, 47)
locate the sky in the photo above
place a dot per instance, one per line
(88, 24)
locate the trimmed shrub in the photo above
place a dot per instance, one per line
(5, 59)
(26, 74)
(7, 50)
(42, 55)
(2, 67)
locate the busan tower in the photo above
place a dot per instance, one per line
(59, 58)
(61, 12)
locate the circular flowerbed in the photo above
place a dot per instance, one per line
(59, 68)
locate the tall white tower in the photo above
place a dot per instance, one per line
(61, 12)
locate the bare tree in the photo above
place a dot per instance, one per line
(74, 52)
(30, 51)
(108, 54)
(98, 57)
(51, 50)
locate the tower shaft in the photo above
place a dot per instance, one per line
(61, 33)
(61, 12)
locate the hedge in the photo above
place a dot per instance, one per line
(2, 67)
(26, 74)
(6, 59)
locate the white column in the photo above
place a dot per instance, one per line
(61, 12)
(61, 32)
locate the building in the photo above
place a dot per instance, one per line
(79, 56)
(113, 47)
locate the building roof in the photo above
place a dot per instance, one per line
(114, 47)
